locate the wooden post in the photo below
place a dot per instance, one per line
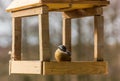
(98, 37)
(16, 38)
(44, 47)
(67, 32)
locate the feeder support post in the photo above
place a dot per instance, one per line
(44, 45)
(66, 32)
(98, 37)
(16, 38)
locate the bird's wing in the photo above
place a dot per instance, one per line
(69, 53)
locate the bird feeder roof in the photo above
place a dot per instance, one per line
(17, 5)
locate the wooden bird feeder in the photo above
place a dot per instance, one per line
(70, 9)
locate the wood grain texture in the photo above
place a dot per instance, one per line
(83, 13)
(25, 67)
(75, 4)
(67, 33)
(82, 68)
(16, 38)
(44, 42)
(98, 38)
(27, 12)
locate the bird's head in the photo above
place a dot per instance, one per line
(62, 48)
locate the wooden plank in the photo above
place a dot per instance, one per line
(76, 5)
(16, 38)
(98, 38)
(44, 41)
(85, 0)
(55, 4)
(62, 68)
(55, 1)
(67, 33)
(91, 2)
(25, 67)
(27, 12)
(83, 13)
(22, 4)
(68, 14)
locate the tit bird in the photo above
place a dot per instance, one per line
(62, 54)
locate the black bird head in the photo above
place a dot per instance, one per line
(62, 48)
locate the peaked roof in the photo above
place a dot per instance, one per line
(20, 4)
(24, 4)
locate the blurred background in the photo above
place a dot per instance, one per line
(82, 43)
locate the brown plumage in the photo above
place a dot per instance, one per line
(62, 54)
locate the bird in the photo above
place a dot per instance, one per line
(62, 54)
